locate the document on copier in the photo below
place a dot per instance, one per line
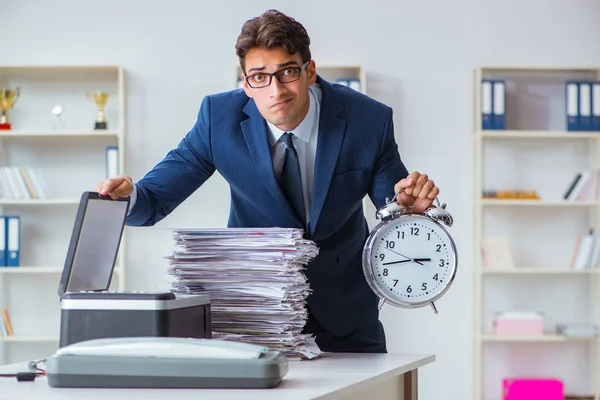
(256, 281)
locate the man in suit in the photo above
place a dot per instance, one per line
(298, 152)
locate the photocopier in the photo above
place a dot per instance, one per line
(136, 338)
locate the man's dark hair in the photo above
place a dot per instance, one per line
(270, 30)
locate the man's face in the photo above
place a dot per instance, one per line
(283, 104)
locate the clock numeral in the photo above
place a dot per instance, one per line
(414, 231)
(438, 248)
(390, 244)
(385, 272)
(424, 286)
(381, 256)
(400, 235)
(409, 289)
(428, 236)
(395, 282)
(435, 277)
(442, 263)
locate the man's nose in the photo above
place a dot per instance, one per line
(276, 88)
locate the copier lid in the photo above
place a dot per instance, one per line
(94, 244)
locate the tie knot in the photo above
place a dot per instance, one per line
(287, 139)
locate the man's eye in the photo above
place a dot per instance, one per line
(258, 77)
(288, 71)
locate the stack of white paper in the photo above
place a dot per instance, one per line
(255, 280)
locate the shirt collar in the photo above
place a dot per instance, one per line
(304, 130)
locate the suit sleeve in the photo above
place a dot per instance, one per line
(183, 170)
(389, 168)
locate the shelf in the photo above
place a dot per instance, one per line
(530, 134)
(537, 69)
(531, 338)
(30, 270)
(33, 202)
(39, 270)
(25, 339)
(69, 134)
(537, 270)
(58, 68)
(539, 203)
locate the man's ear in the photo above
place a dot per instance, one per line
(246, 87)
(312, 72)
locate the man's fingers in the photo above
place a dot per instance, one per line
(403, 185)
(114, 187)
(427, 187)
(123, 190)
(108, 186)
(419, 185)
(433, 194)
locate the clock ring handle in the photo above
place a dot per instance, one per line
(402, 190)
(436, 212)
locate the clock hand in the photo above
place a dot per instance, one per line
(396, 262)
(395, 252)
(421, 259)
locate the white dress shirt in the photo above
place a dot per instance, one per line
(305, 142)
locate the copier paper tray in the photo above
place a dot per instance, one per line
(146, 362)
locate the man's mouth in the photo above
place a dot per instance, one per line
(281, 103)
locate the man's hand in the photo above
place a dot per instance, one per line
(119, 186)
(416, 190)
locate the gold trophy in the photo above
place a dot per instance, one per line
(7, 101)
(100, 99)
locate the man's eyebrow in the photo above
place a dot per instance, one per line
(278, 65)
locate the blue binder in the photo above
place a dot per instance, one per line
(112, 161)
(498, 104)
(486, 104)
(572, 105)
(585, 106)
(13, 240)
(596, 106)
(3, 241)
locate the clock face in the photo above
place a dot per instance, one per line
(412, 261)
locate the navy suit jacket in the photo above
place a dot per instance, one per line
(356, 155)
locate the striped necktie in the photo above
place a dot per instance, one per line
(291, 181)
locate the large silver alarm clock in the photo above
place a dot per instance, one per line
(410, 259)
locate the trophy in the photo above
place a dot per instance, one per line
(7, 100)
(58, 122)
(100, 99)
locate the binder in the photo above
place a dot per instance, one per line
(498, 104)
(354, 84)
(585, 107)
(13, 240)
(3, 243)
(486, 104)
(596, 106)
(572, 105)
(112, 161)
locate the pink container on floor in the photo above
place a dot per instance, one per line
(532, 389)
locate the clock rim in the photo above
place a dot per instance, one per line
(370, 274)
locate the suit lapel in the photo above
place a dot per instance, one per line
(332, 127)
(255, 135)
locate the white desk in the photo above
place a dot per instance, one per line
(331, 376)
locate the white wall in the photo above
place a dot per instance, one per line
(419, 58)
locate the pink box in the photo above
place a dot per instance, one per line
(532, 389)
(519, 324)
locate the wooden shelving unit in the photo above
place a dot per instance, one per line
(71, 158)
(534, 152)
